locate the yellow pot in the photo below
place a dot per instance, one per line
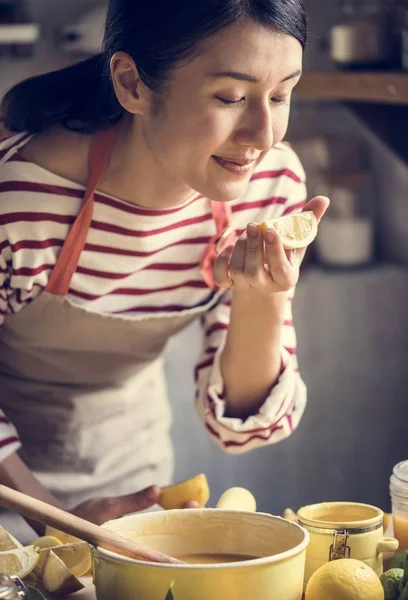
(344, 530)
(278, 575)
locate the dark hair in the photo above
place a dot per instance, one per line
(158, 35)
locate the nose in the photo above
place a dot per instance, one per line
(256, 129)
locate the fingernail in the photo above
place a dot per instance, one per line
(270, 235)
(252, 230)
(153, 493)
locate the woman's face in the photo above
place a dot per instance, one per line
(224, 110)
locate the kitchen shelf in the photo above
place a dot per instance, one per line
(379, 99)
(382, 87)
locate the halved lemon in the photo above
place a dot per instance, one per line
(237, 498)
(20, 562)
(47, 541)
(65, 538)
(57, 578)
(295, 231)
(193, 489)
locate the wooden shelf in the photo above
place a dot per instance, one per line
(378, 99)
(382, 87)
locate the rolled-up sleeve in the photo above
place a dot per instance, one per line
(282, 410)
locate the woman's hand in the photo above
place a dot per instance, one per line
(100, 510)
(264, 267)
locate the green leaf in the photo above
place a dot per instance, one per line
(404, 593)
(34, 594)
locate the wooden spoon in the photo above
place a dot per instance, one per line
(44, 513)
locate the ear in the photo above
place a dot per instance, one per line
(130, 91)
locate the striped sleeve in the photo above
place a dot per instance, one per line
(282, 411)
(5, 258)
(9, 440)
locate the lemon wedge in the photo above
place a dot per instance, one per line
(20, 562)
(295, 231)
(193, 489)
(76, 556)
(43, 543)
(7, 541)
(290, 515)
(57, 578)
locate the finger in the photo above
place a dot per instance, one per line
(221, 272)
(124, 505)
(318, 205)
(237, 261)
(254, 259)
(280, 267)
(191, 504)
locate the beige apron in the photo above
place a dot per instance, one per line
(86, 391)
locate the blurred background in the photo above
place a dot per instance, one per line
(350, 127)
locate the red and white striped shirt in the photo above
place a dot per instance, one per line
(143, 262)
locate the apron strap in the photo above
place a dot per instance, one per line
(98, 160)
(225, 236)
(67, 262)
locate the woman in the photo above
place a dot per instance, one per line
(131, 190)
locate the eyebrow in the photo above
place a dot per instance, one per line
(250, 78)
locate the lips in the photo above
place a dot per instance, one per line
(237, 166)
(238, 161)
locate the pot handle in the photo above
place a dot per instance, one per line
(387, 544)
(237, 498)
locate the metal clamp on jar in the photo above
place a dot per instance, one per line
(12, 588)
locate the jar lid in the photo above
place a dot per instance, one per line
(401, 471)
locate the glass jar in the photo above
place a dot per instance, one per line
(11, 589)
(399, 501)
(366, 37)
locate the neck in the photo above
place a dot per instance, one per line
(134, 175)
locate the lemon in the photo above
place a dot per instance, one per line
(19, 562)
(65, 538)
(73, 552)
(344, 579)
(194, 489)
(290, 515)
(237, 499)
(76, 556)
(7, 541)
(44, 542)
(47, 541)
(57, 578)
(295, 231)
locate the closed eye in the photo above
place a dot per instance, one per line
(280, 101)
(274, 100)
(226, 101)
